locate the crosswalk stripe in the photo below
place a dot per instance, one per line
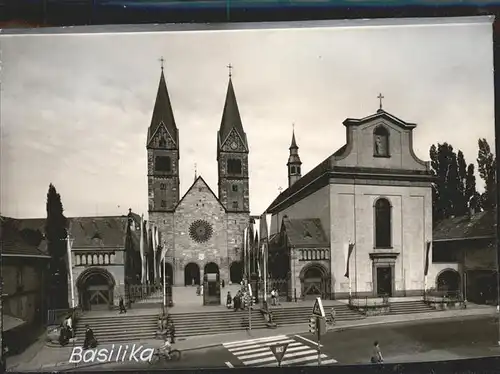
(252, 341)
(240, 349)
(264, 349)
(257, 352)
(267, 352)
(323, 362)
(287, 355)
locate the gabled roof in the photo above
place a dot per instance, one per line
(475, 226)
(312, 175)
(380, 114)
(23, 237)
(99, 231)
(200, 178)
(231, 118)
(305, 232)
(163, 113)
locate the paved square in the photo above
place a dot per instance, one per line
(257, 352)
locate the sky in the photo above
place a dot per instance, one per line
(75, 109)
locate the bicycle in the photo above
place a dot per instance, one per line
(175, 355)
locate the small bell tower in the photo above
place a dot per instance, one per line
(294, 163)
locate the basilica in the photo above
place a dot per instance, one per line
(202, 231)
(360, 222)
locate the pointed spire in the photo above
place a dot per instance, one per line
(231, 115)
(294, 143)
(162, 111)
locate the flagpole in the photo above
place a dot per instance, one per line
(141, 250)
(70, 265)
(355, 244)
(155, 249)
(164, 283)
(348, 260)
(245, 259)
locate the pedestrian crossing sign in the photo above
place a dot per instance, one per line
(279, 351)
(318, 309)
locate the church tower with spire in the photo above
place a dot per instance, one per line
(232, 161)
(163, 155)
(232, 157)
(294, 163)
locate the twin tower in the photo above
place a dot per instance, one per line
(163, 156)
(232, 156)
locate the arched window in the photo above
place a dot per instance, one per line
(383, 224)
(381, 142)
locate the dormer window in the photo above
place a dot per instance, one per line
(381, 142)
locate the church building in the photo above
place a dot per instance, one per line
(359, 223)
(200, 232)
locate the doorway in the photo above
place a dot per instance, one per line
(384, 281)
(192, 274)
(95, 287)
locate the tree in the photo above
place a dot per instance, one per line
(455, 184)
(56, 233)
(486, 162)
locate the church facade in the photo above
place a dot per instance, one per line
(200, 232)
(359, 223)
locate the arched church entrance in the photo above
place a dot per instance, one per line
(191, 274)
(211, 268)
(314, 281)
(236, 272)
(95, 288)
(448, 280)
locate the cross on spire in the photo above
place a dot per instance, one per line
(162, 60)
(230, 67)
(380, 97)
(195, 171)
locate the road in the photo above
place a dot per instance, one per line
(415, 341)
(405, 342)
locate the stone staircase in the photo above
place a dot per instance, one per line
(409, 307)
(215, 322)
(300, 314)
(119, 328)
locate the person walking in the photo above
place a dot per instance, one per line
(273, 297)
(376, 354)
(122, 306)
(229, 300)
(172, 332)
(333, 315)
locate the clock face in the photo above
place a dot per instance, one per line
(200, 231)
(234, 145)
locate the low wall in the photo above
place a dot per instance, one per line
(370, 306)
(440, 303)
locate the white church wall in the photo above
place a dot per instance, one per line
(362, 151)
(411, 228)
